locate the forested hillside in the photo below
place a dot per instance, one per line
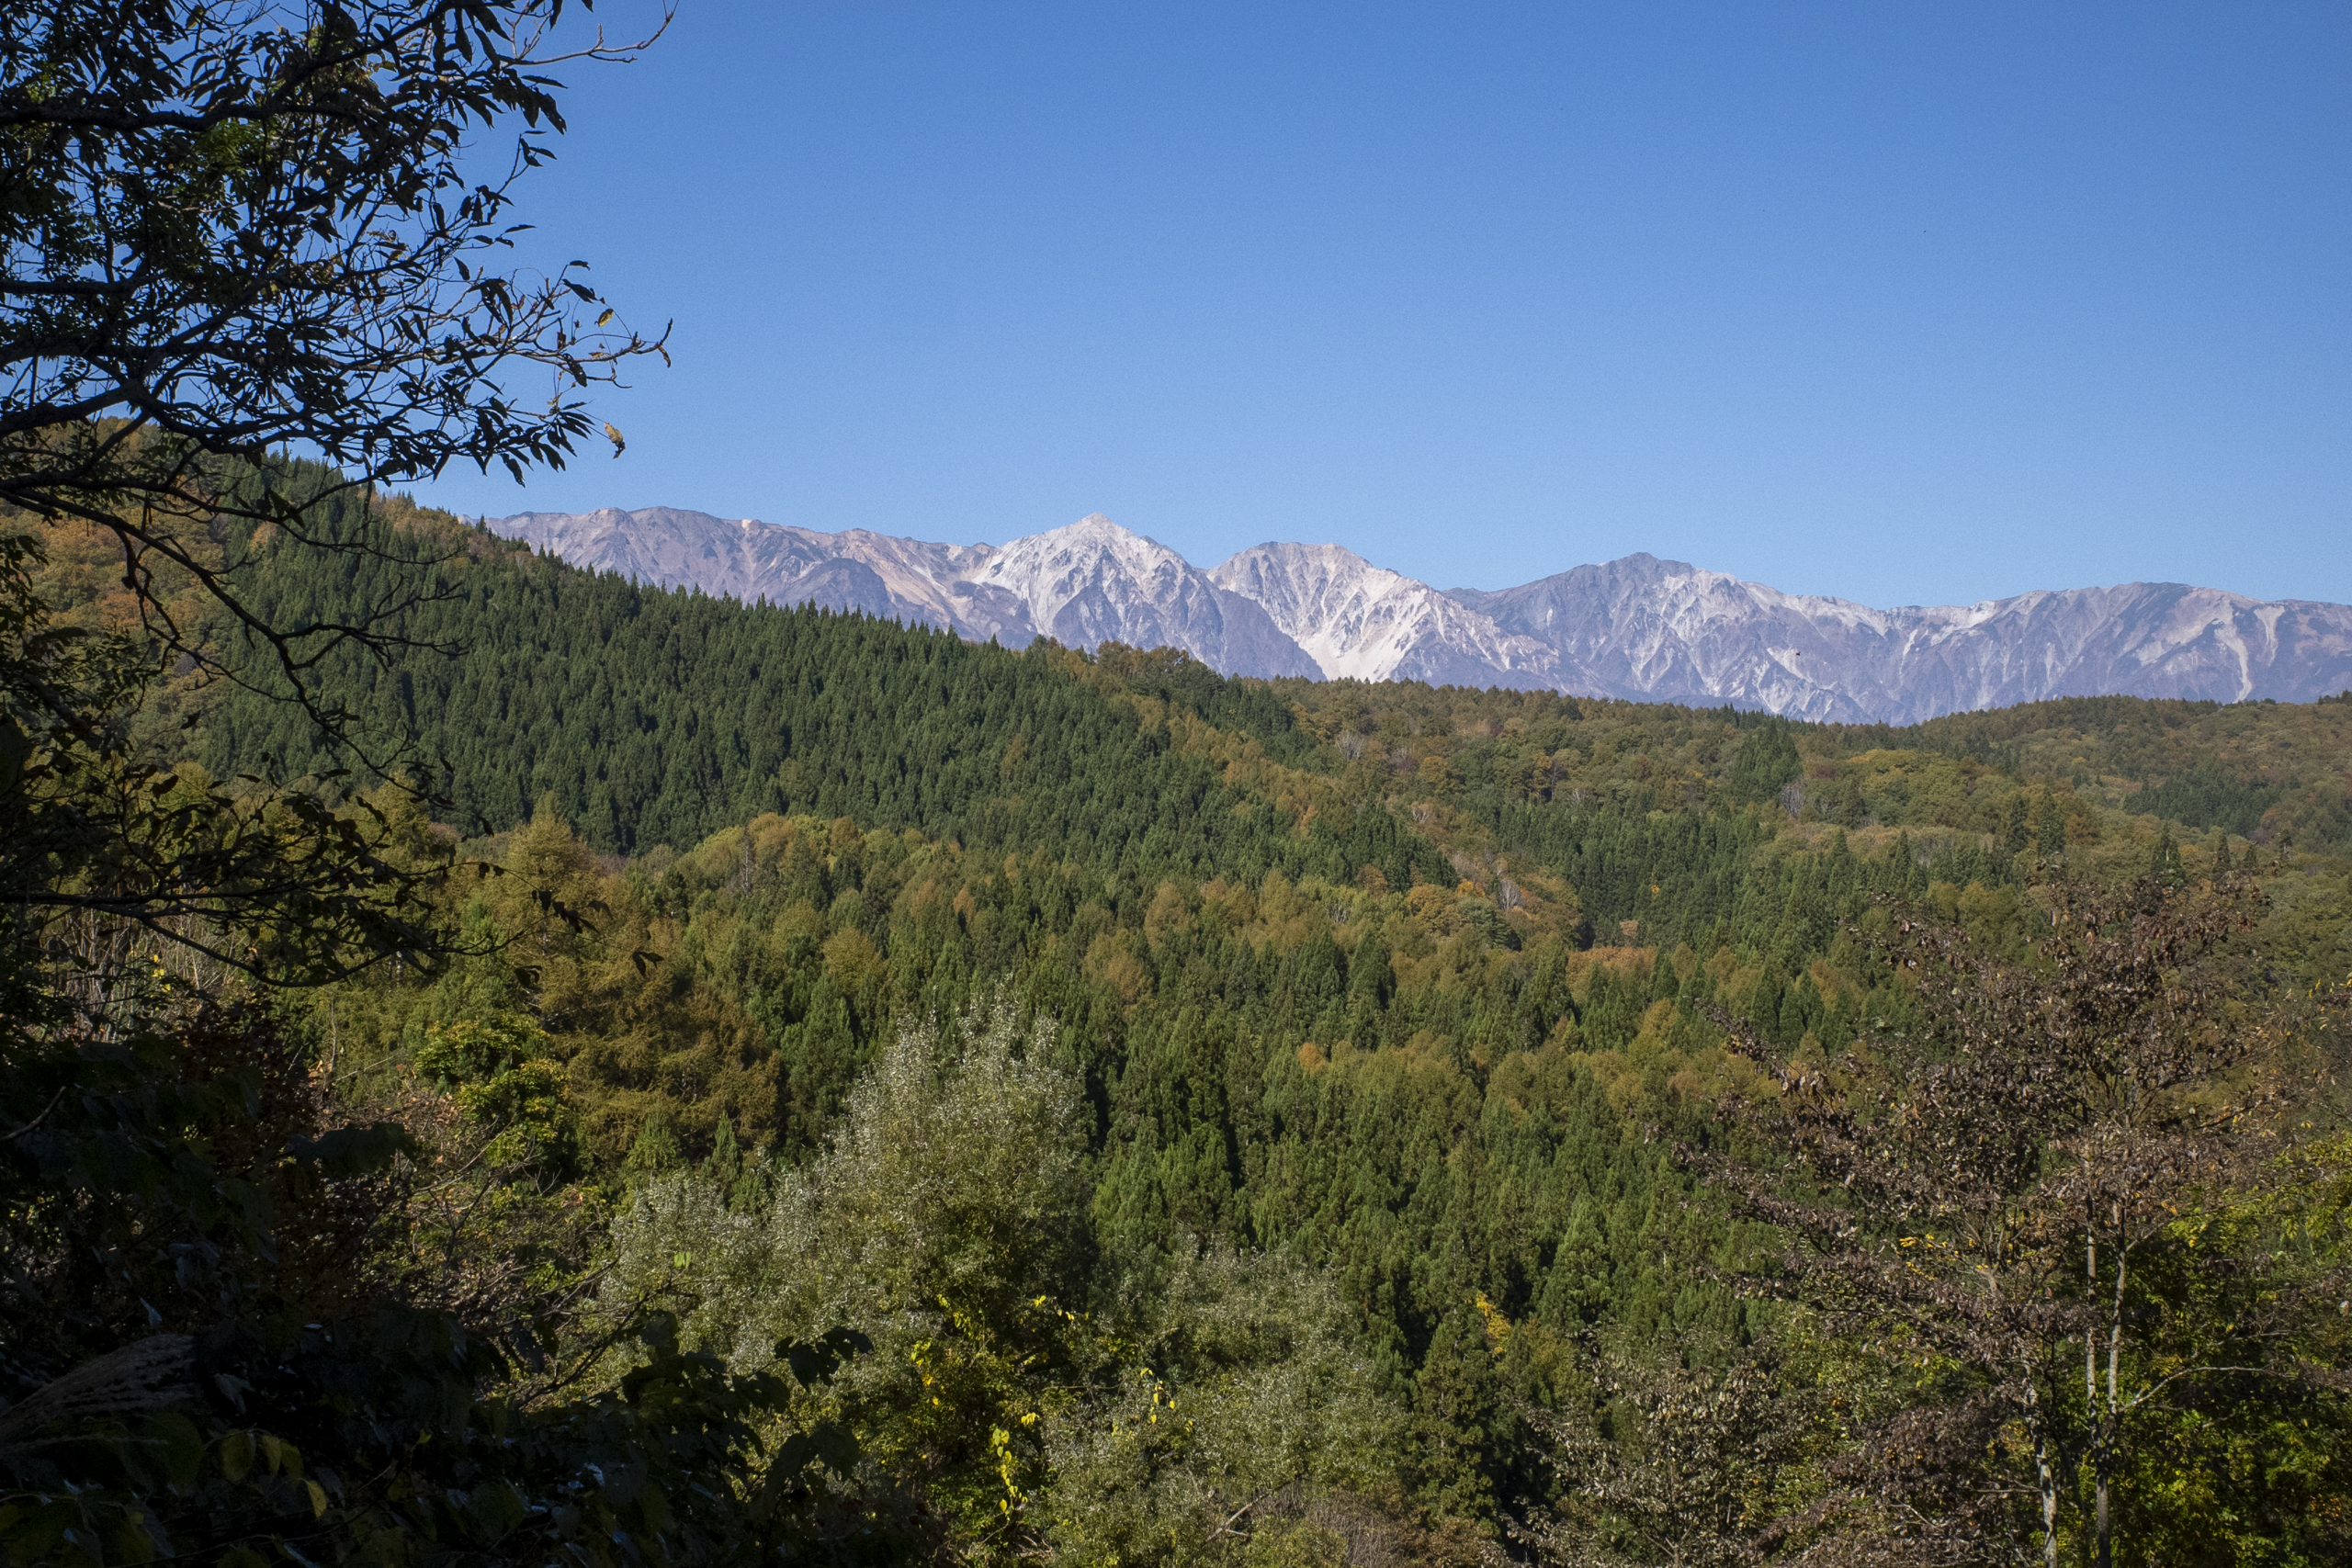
(1414, 985)
(1437, 995)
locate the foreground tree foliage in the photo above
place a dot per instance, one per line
(2042, 1197)
(230, 230)
(1044, 1393)
(102, 851)
(1689, 1456)
(252, 1313)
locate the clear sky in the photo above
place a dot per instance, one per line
(1903, 302)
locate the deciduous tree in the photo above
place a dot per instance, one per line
(2012, 1195)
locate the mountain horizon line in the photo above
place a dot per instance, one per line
(1639, 627)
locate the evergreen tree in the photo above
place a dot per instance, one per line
(1766, 761)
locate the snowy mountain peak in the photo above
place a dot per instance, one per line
(1362, 622)
(1094, 582)
(1052, 568)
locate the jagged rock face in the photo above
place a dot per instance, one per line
(1362, 622)
(1645, 628)
(1094, 582)
(1657, 630)
(1639, 627)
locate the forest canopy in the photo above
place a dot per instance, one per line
(1081, 1105)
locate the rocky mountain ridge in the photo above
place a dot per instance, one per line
(1638, 627)
(1361, 622)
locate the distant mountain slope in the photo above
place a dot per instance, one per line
(1361, 622)
(907, 580)
(1083, 585)
(1646, 628)
(1094, 582)
(1639, 627)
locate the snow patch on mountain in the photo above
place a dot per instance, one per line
(1361, 622)
(1651, 630)
(1094, 582)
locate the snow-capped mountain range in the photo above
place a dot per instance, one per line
(1640, 628)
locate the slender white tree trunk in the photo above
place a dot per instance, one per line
(2045, 1469)
(2112, 1416)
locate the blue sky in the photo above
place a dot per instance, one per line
(1905, 303)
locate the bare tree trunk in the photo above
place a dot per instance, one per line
(2104, 1465)
(2045, 1471)
(2090, 1367)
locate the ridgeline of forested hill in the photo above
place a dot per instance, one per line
(1422, 987)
